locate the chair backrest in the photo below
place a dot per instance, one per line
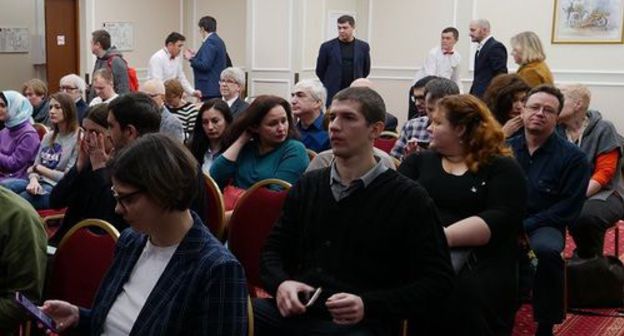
(215, 208)
(251, 222)
(82, 258)
(386, 141)
(41, 129)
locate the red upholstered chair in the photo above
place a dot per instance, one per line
(41, 129)
(82, 258)
(52, 219)
(251, 222)
(386, 141)
(216, 208)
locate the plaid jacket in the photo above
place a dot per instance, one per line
(201, 292)
(413, 128)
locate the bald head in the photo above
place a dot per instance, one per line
(155, 88)
(479, 30)
(362, 82)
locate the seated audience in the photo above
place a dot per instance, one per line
(169, 124)
(261, 145)
(170, 275)
(75, 86)
(414, 135)
(600, 142)
(308, 106)
(36, 91)
(557, 175)
(231, 84)
(185, 111)
(505, 98)
(328, 237)
(480, 194)
(19, 141)
(57, 154)
(85, 188)
(528, 53)
(103, 87)
(22, 258)
(391, 121)
(213, 120)
(325, 159)
(416, 101)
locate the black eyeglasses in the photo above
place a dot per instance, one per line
(415, 98)
(122, 199)
(68, 88)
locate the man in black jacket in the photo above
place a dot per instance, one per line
(490, 58)
(368, 237)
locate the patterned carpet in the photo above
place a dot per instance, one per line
(579, 325)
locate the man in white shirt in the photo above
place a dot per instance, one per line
(443, 61)
(103, 87)
(166, 63)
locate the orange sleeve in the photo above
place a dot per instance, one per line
(605, 166)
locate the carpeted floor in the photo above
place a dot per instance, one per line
(579, 325)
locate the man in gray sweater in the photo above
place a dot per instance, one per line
(109, 57)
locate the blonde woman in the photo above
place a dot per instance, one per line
(528, 53)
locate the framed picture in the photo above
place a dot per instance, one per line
(588, 21)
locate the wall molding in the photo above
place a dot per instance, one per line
(254, 81)
(271, 69)
(252, 22)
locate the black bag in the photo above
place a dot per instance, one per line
(595, 283)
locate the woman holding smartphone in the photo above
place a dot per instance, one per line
(261, 145)
(56, 155)
(170, 275)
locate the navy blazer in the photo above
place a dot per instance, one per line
(329, 65)
(207, 65)
(492, 61)
(201, 292)
(238, 107)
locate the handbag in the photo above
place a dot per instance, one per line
(595, 282)
(231, 195)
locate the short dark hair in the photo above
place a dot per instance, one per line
(136, 109)
(208, 23)
(451, 30)
(161, 167)
(199, 140)
(423, 81)
(372, 106)
(174, 37)
(98, 113)
(102, 37)
(346, 19)
(549, 89)
(440, 87)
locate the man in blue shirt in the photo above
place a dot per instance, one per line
(308, 106)
(557, 174)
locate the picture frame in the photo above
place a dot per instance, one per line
(588, 22)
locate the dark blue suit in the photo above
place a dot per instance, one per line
(207, 65)
(329, 65)
(201, 292)
(491, 61)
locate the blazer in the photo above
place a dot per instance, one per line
(201, 292)
(329, 64)
(492, 60)
(207, 65)
(238, 107)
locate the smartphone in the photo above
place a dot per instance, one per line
(308, 298)
(423, 145)
(37, 313)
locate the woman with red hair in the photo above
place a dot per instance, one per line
(480, 194)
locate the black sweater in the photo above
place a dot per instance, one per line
(383, 243)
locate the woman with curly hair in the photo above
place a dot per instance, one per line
(480, 194)
(505, 98)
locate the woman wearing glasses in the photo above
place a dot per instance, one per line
(75, 86)
(170, 276)
(56, 155)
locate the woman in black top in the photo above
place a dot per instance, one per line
(480, 194)
(505, 98)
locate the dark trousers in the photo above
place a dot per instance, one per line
(547, 243)
(595, 218)
(269, 322)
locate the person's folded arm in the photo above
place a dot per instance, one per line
(605, 167)
(23, 154)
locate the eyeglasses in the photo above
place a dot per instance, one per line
(227, 81)
(123, 199)
(547, 110)
(68, 88)
(419, 98)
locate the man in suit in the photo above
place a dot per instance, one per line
(231, 85)
(209, 60)
(342, 59)
(490, 58)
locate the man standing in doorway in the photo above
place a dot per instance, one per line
(209, 60)
(343, 59)
(490, 57)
